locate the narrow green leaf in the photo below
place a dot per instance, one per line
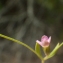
(46, 50)
(37, 49)
(54, 51)
(61, 44)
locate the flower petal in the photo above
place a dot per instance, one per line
(45, 44)
(44, 38)
(49, 40)
(39, 42)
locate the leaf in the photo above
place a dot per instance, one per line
(46, 50)
(37, 49)
(54, 51)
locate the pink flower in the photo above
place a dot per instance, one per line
(45, 41)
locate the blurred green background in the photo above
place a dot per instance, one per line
(27, 21)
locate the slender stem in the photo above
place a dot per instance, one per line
(42, 61)
(19, 42)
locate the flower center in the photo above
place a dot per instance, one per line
(45, 44)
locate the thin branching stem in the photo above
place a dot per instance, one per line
(19, 42)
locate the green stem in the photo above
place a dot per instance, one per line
(19, 42)
(42, 61)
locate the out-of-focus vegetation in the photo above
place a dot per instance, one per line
(28, 20)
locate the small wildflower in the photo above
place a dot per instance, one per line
(45, 41)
